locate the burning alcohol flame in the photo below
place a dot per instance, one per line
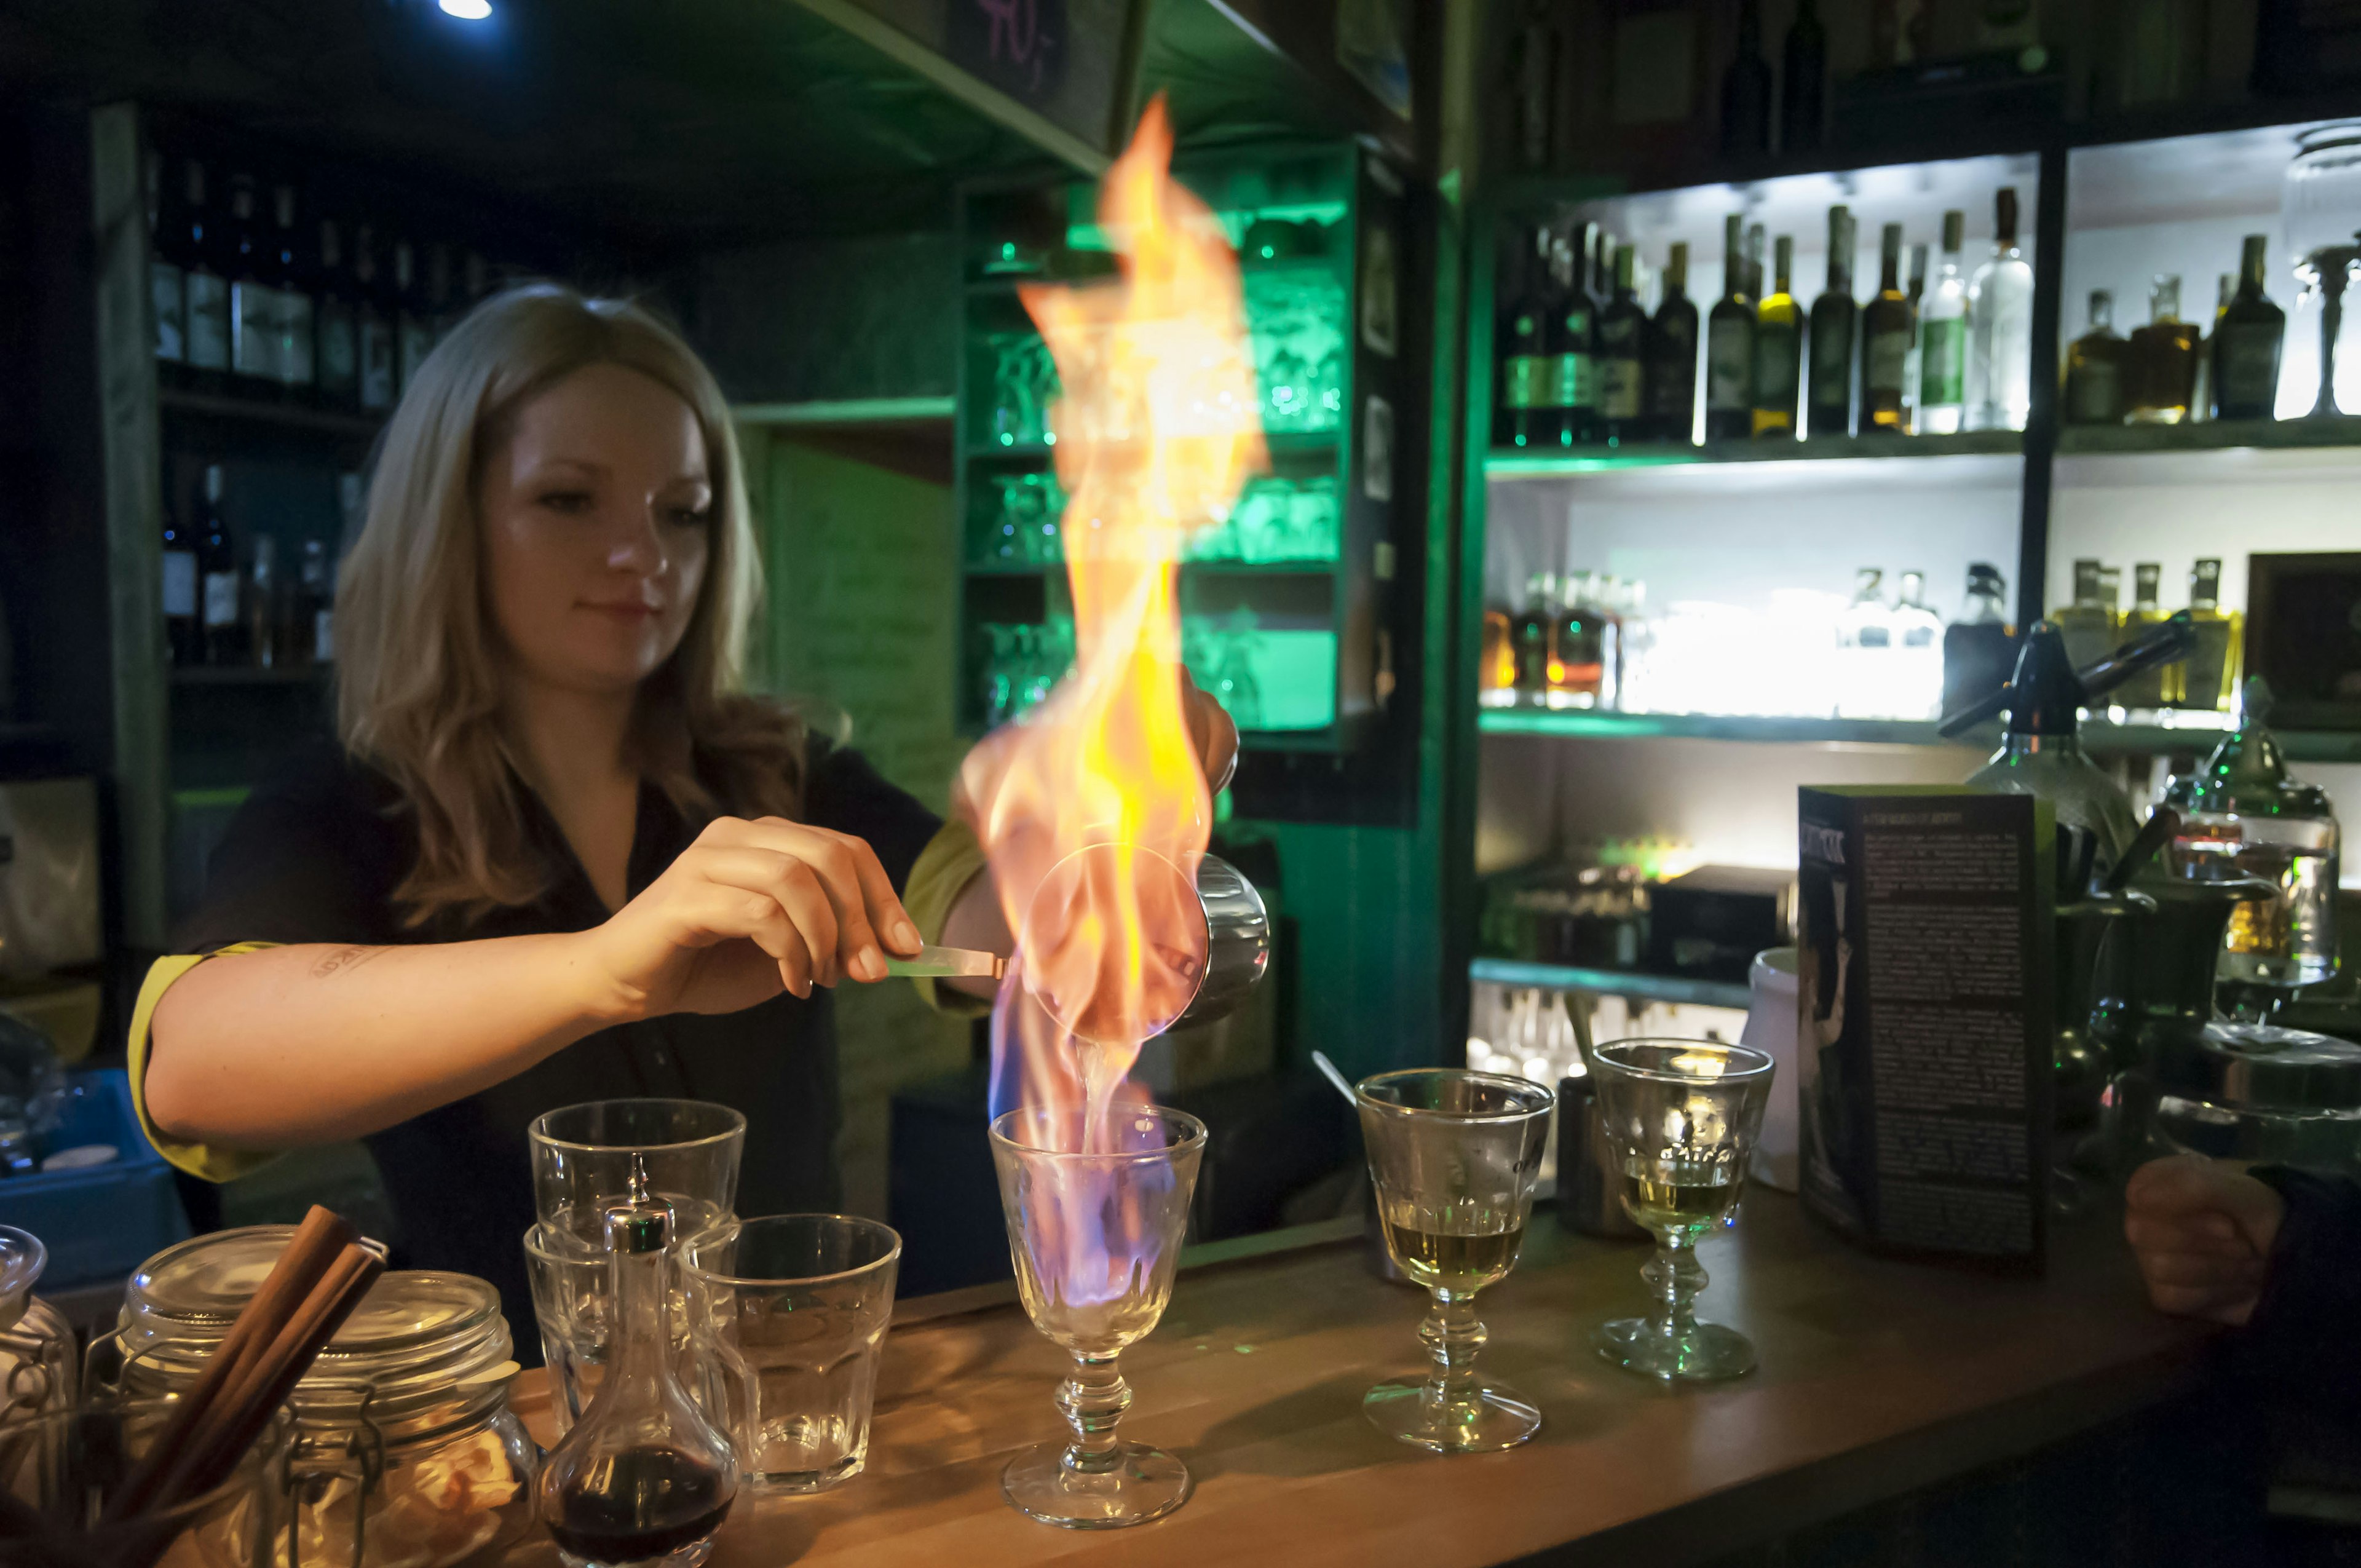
(1093, 811)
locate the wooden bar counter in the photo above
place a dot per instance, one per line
(1876, 1379)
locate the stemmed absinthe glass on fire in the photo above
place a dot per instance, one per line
(1454, 1156)
(1096, 1206)
(1681, 1117)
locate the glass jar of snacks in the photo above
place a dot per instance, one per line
(406, 1453)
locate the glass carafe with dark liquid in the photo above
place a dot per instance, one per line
(643, 1477)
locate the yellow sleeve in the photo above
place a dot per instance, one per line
(200, 1160)
(950, 860)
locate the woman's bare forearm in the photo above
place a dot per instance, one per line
(299, 1045)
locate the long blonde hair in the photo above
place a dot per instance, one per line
(417, 685)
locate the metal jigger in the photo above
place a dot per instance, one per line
(2333, 264)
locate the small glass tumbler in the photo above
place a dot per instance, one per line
(1454, 1157)
(584, 1158)
(789, 1314)
(573, 1307)
(1681, 1117)
(1096, 1236)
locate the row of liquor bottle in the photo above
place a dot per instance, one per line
(2171, 370)
(248, 609)
(1583, 361)
(255, 295)
(2095, 622)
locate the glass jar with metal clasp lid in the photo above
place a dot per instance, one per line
(37, 1344)
(406, 1453)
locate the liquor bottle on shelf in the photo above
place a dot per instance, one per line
(1803, 84)
(2163, 358)
(1729, 346)
(1867, 622)
(298, 284)
(1582, 648)
(253, 295)
(217, 584)
(1524, 419)
(184, 631)
(1621, 326)
(2210, 674)
(413, 323)
(1496, 677)
(2200, 391)
(1778, 349)
(1536, 637)
(2095, 367)
(379, 369)
(1915, 292)
(1746, 90)
(1671, 354)
(2158, 686)
(2000, 329)
(297, 639)
(1943, 339)
(1980, 647)
(1916, 688)
(335, 322)
(1572, 348)
(1885, 335)
(167, 300)
(2089, 624)
(262, 607)
(1532, 86)
(2247, 339)
(1835, 320)
(205, 284)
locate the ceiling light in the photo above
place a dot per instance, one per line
(468, 10)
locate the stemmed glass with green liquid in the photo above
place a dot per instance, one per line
(1681, 1117)
(1453, 1156)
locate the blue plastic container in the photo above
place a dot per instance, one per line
(101, 1223)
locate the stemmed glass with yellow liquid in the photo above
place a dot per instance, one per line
(1681, 1117)
(1453, 1156)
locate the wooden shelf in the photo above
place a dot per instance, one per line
(287, 416)
(2214, 436)
(1509, 464)
(1680, 990)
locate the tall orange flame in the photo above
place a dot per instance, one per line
(1092, 810)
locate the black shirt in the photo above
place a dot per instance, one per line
(314, 856)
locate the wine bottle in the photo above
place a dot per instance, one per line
(1622, 325)
(1778, 349)
(1834, 319)
(1886, 326)
(1671, 355)
(1943, 339)
(1523, 417)
(1746, 90)
(2000, 329)
(2246, 343)
(1729, 346)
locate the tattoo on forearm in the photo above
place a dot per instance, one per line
(343, 959)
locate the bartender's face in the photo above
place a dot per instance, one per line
(597, 510)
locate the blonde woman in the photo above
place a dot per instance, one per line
(553, 854)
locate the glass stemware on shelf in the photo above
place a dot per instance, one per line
(1025, 529)
(1096, 1237)
(1024, 385)
(1023, 663)
(1681, 1117)
(1295, 314)
(1454, 1157)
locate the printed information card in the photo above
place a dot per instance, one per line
(1923, 1025)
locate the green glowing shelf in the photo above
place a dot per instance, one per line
(1504, 463)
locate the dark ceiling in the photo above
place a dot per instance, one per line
(659, 125)
(673, 123)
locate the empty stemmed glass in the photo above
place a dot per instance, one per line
(1681, 1117)
(1454, 1156)
(1096, 1237)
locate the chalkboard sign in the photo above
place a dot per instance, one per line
(1070, 61)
